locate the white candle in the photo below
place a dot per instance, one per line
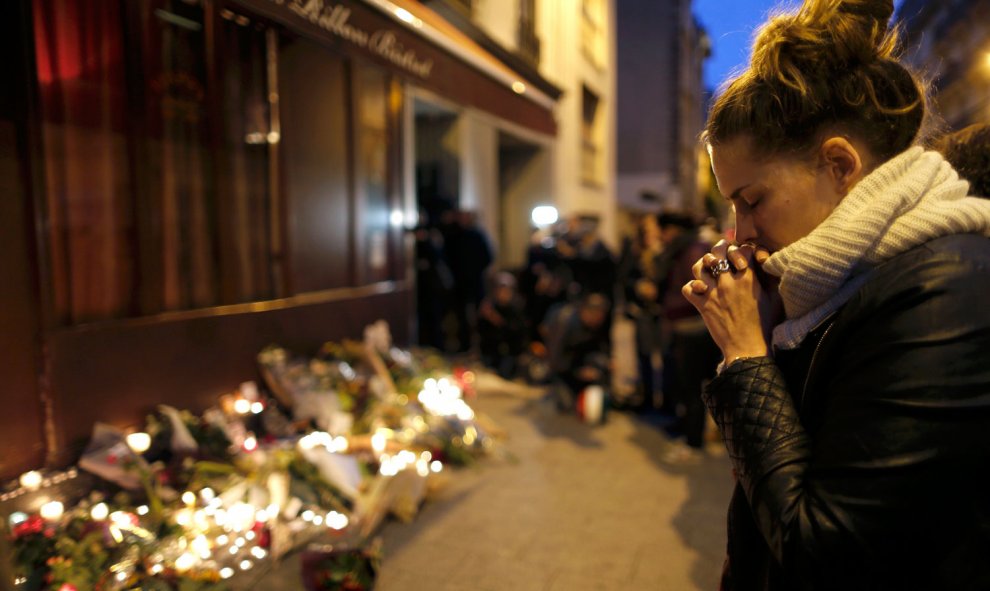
(185, 562)
(242, 406)
(378, 441)
(31, 480)
(100, 511)
(139, 442)
(241, 517)
(52, 511)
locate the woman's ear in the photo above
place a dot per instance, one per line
(842, 162)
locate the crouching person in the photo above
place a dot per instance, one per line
(578, 349)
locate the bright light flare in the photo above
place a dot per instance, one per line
(544, 215)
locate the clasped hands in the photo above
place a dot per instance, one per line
(740, 306)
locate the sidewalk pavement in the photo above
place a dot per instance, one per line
(567, 507)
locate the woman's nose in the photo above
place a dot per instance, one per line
(745, 231)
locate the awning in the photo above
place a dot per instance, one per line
(413, 41)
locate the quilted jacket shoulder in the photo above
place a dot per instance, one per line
(859, 467)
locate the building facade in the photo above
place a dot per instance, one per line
(506, 171)
(660, 105)
(188, 181)
(949, 44)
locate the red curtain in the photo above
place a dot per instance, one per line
(81, 74)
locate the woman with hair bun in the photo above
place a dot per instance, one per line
(854, 391)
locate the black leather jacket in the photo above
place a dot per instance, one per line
(860, 456)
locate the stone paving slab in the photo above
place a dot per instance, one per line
(575, 508)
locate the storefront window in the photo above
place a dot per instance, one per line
(197, 156)
(156, 175)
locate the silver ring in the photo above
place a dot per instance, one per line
(718, 267)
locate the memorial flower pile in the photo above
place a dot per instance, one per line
(316, 458)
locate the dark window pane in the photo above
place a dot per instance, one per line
(175, 184)
(244, 179)
(314, 117)
(373, 168)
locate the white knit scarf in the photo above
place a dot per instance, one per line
(909, 200)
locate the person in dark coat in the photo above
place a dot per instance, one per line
(434, 282)
(639, 281)
(854, 392)
(968, 151)
(502, 329)
(593, 268)
(691, 354)
(578, 347)
(469, 254)
(541, 282)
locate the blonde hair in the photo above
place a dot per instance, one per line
(831, 66)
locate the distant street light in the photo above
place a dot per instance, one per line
(544, 215)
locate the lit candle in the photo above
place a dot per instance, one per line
(185, 562)
(241, 516)
(139, 442)
(31, 480)
(340, 444)
(242, 406)
(201, 546)
(100, 511)
(52, 511)
(184, 517)
(378, 441)
(336, 520)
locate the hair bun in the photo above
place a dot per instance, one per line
(828, 67)
(878, 10)
(822, 37)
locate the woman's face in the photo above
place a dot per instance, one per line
(776, 200)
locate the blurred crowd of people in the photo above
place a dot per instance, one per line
(551, 321)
